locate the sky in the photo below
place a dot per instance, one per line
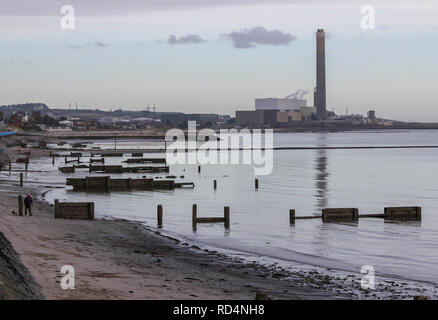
(217, 56)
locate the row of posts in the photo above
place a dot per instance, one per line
(226, 218)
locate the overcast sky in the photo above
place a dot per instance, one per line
(219, 55)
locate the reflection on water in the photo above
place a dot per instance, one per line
(321, 174)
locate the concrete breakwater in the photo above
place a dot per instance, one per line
(16, 283)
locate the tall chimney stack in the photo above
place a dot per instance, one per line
(319, 97)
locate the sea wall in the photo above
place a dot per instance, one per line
(16, 283)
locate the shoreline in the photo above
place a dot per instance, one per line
(120, 259)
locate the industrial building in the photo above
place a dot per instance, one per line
(275, 117)
(371, 114)
(256, 118)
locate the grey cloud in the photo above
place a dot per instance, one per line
(100, 44)
(189, 39)
(249, 38)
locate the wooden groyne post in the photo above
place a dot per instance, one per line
(256, 183)
(292, 216)
(74, 210)
(160, 215)
(194, 216)
(215, 184)
(20, 205)
(225, 219)
(199, 169)
(21, 179)
(67, 169)
(340, 214)
(401, 213)
(352, 214)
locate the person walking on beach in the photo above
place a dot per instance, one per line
(28, 202)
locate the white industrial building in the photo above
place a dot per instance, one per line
(279, 104)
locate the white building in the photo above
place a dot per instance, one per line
(279, 104)
(66, 123)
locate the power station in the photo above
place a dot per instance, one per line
(292, 110)
(275, 111)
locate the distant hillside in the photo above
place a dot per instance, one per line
(99, 114)
(89, 114)
(26, 107)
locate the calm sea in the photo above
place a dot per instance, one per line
(307, 181)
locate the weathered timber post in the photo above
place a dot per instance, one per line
(160, 215)
(91, 210)
(340, 214)
(26, 164)
(21, 179)
(10, 166)
(256, 183)
(108, 184)
(214, 184)
(227, 218)
(20, 205)
(194, 215)
(65, 159)
(53, 160)
(56, 208)
(199, 169)
(402, 213)
(292, 216)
